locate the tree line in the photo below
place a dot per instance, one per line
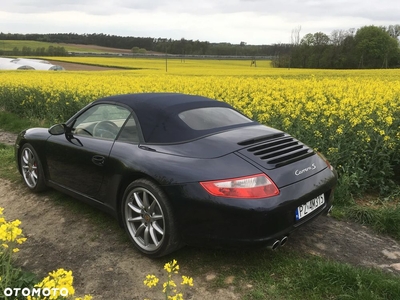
(164, 45)
(40, 51)
(367, 47)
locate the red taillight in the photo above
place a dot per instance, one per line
(251, 187)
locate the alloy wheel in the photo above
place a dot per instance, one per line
(29, 167)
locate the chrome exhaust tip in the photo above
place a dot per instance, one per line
(283, 241)
(275, 245)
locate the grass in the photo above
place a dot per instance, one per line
(10, 122)
(383, 219)
(256, 274)
(19, 279)
(8, 168)
(378, 212)
(9, 45)
(285, 274)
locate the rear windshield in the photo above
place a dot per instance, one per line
(212, 117)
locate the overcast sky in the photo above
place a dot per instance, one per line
(234, 21)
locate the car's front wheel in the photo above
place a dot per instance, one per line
(149, 219)
(31, 169)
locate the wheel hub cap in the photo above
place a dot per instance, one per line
(147, 218)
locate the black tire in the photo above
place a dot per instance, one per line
(149, 219)
(31, 169)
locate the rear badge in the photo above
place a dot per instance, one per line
(299, 172)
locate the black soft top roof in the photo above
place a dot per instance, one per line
(157, 114)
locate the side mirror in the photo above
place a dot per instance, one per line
(57, 129)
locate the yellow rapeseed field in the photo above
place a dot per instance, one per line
(352, 116)
(177, 66)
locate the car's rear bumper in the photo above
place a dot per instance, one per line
(226, 222)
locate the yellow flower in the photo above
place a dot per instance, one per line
(172, 267)
(60, 279)
(176, 297)
(151, 280)
(169, 285)
(187, 280)
(318, 134)
(20, 240)
(86, 297)
(389, 120)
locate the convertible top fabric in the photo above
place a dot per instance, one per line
(157, 114)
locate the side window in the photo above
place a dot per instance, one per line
(101, 121)
(129, 132)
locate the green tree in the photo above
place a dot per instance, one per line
(50, 51)
(308, 40)
(375, 48)
(40, 51)
(26, 51)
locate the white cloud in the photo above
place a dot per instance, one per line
(252, 21)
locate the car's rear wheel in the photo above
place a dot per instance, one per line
(148, 219)
(31, 169)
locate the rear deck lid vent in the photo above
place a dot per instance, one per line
(277, 151)
(260, 139)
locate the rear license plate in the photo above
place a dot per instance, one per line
(310, 206)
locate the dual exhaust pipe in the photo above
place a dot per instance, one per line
(278, 243)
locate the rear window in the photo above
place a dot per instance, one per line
(212, 117)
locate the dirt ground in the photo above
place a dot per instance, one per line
(80, 67)
(7, 138)
(106, 265)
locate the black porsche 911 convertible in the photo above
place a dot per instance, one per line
(177, 169)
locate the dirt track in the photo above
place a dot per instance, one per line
(80, 67)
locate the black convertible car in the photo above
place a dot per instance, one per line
(177, 169)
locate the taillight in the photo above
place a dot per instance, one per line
(251, 187)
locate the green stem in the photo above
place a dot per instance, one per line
(167, 287)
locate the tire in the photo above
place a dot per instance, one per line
(148, 219)
(31, 169)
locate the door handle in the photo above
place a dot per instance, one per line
(98, 160)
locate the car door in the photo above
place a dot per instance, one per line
(77, 160)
